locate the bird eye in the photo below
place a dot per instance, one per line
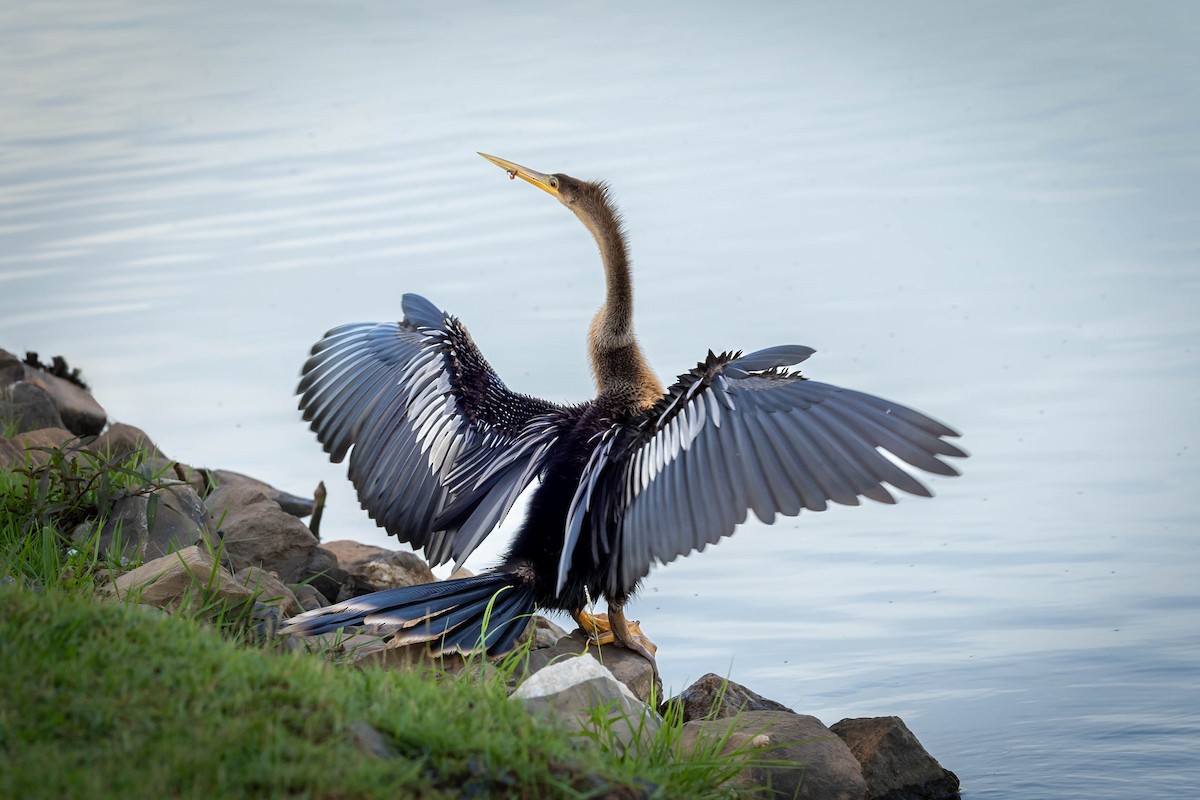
(553, 182)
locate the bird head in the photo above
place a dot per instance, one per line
(571, 192)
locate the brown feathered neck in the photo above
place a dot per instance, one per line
(618, 365)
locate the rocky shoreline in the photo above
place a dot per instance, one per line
(272, 558)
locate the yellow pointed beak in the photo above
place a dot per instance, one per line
(547, 183)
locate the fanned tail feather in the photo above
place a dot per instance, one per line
(468, 614)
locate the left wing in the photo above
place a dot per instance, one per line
(734, 434)
(439, 447)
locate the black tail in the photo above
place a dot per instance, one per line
(453, 614)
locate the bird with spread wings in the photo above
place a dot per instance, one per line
(440, 449)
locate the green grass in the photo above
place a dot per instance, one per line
(53, 507)
(108, 700)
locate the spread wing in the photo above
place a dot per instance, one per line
(441, 447)
(735, 434)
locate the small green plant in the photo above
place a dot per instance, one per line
(45, 503)
(9, 427)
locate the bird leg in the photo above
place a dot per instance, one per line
(596, 626)
(602, 629)
(613, 628)
(629, 635)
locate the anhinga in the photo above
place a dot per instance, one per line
(442, 448)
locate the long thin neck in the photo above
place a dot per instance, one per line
(618, 366)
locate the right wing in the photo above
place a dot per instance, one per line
(735, 434)
(441, 447)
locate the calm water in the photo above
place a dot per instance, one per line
(987, 211)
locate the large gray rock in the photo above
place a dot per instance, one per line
(179, 521)
(714, 697)
(787, 755)
(255, 531)
(578, 690)
(895, 765)
(26, 407)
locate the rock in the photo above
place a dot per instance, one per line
(788, 755)
(255, 531)
(545, 633)
(352, 587)
(15, 451)
(373, 569)
(309, 597)
(630, 669)
(292, 504)
(120, 441)
(57, 367)
(393, 571)
(179, 521)
(269, 589)
(11, 368)
(349, 552)
(189, 574)
(714, 697)
(26, 407)
(324, 574)
(574, 688)
(80, 412)
(895, 765)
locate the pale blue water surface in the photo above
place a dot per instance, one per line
(987, 211)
